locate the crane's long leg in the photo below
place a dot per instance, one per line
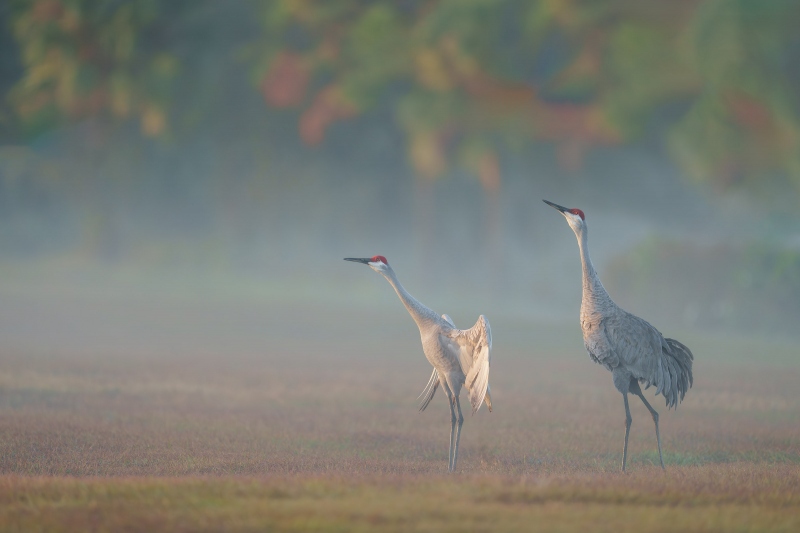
(628, 421)
(450, 399)
(638, 392)
(458, 432)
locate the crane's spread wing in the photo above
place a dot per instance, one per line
(652, 359)
(474, 352)
(429, 390)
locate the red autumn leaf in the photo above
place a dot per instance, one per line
(286, 82)
(749, 112)
(329, 106)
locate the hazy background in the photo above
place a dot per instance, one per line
(223, 157)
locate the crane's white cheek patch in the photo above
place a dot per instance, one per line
(376, 264)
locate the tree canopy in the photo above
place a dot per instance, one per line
(715, 82)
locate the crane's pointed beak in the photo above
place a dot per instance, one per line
(365, 260)
(556, 206)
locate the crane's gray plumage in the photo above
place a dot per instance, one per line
(459, 357)
(629, 347)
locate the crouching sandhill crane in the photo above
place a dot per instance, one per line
(633, 350)
(459, 356)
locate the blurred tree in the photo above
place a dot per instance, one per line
(161, 67)
(715, 81)
(754, 285)
(93, 57)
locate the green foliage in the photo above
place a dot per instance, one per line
(714, 80)
(709, 78)
(756, 286)
(84, 58)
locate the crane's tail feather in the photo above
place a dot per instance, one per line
(429, 390)
(433, 377)
(675, 372)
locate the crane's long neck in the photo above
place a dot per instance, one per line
(421, 314)
(594, 293)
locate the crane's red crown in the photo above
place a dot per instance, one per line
(576, 211)
(380, 258)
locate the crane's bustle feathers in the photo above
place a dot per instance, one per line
(429, 390)
(629, 341)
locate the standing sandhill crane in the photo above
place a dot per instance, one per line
(633, 350)
(459, 356)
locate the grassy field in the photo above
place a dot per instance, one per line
(245, 416)
(742, 497)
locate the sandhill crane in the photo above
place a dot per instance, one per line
(633, 350)
(459, 357)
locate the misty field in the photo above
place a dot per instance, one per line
(242, 415)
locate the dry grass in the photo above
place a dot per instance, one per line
(718, 498)
(292, 431)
